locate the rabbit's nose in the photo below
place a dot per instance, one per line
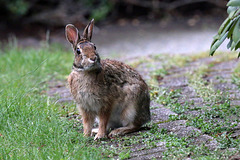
(93, 58)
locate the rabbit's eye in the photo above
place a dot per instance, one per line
(78, 51)
(95, 47)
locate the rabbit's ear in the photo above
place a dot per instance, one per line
(87, 33)
(72, 34)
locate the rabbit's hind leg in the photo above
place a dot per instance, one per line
(124, 130)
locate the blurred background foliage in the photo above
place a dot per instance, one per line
(16, 8)
(58, 13)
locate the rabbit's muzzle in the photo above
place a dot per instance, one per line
(86, 63)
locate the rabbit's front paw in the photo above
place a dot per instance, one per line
(100, 136)
(94, 131)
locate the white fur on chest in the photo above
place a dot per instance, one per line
(89, 101)
(86, 93)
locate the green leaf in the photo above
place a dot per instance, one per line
(233, 45)
(232, 14)
(231, 9)
(237, 45)
(215, 38)
(215, 46)
(238, 54)
(226, 28)
(234, 3)
(223, 33)
(229, 44)
(224, 25)
(231, 29)
(236, 31)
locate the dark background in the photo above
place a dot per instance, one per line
(55, 13)
(23, 18)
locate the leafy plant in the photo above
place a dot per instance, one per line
(230, 29)
(16, 8)
(99, 9)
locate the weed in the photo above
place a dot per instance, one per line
(163, 96)
(216, 117)
(124, 155)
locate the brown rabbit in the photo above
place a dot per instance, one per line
(108, 90)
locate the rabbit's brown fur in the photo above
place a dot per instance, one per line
(107, 89)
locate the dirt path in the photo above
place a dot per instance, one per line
(195, 104)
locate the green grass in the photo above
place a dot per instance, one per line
(216, 117)
(31, 126)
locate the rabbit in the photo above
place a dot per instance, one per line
(106, 89)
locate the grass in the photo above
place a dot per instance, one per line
(201, 86)
(216, 117)
(30, 124)
(33, 126)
